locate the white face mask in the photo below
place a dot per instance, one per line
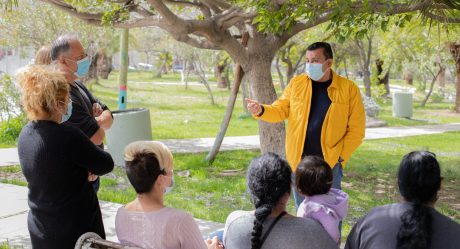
(314, 71)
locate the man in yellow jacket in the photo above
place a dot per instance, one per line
(325, 114)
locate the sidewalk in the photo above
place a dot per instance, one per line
(14, 211)
(10, 156)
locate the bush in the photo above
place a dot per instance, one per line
(9, 99)
(437, 97)
(10, 129)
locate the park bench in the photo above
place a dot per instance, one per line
(92, 240)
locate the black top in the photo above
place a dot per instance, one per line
(55, 160)
(82, 109)
(319, 106)
(379, 229)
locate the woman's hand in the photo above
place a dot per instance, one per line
(214, 243)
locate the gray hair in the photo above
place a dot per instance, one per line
(62, 45)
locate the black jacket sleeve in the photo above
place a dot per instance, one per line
(89, 156)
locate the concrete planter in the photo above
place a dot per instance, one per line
(402, 105)
(128, 126)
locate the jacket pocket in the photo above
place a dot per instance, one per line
(337, 123)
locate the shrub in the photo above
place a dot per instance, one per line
(10, 129)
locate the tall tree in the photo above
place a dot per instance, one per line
(219, 24)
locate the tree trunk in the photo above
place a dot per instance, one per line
(365, 57)
(245, 90)
(202, 75)
(280, 74)
(187, 73)
(182, 72)
(162, 69)
(222, 81)
(289, 73)
(367, 81)
(432, 84)
(272, 136)
(455, 51)
(239, 73)
(104, 64)
(385, 80)
(441, 80)
(408, 77)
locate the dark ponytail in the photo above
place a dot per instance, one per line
(415, 231)
(419, 180)
(261, 215)
(269, 179)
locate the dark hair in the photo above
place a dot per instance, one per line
(62, 45)
(269, 178)
(313, 176)
(327, 50)
(143, 171)
(419, 180)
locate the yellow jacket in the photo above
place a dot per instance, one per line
(344, 125)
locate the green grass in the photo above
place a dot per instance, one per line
(8, 245)
(7, 145)
(370, 179)
(177, 112)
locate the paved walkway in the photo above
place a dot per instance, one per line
(14, 211)
(10, 156)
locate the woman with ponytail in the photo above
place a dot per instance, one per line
(269, 226)
(413, 223)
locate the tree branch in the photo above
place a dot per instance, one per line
(143, 12)
(182, 3)
(74, 12)
(169, 16)
(443, 19)
(231, 17)
(204, 44)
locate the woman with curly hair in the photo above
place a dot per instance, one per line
(269, 226)
(55, 160)
(413, 223)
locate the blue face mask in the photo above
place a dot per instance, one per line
(83, 67)
(67, 115)
(314, 71)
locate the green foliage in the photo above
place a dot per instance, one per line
(437, 97)
(9, 98)
(26, 27)
(10, 129)
(8, 5)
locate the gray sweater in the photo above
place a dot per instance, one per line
(379, 228)
(289, 233)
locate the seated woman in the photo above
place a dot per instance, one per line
(269, 226)
(146, 222)
(413, 223)
(55, 160)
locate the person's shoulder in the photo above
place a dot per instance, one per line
(345, 82)
(239, 215)
(299, 79)
(445, 222)
(386, 213)
(175, 214)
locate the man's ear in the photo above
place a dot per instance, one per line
(61, 60)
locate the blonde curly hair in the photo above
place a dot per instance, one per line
(43, 56)
(44, 89)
